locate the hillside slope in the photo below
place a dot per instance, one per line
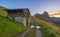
(9, 28)
(49, 23)
(54, 28)
(2, 12)
(48, 28)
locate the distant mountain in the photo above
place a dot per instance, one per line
(44, 16)
(50, 16)
(55, 19)
(55, 16)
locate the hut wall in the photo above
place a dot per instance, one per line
(20, 19)
(27, 21)
(24, 21)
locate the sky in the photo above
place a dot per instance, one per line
(35, 6)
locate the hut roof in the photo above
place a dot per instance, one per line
(17, 10)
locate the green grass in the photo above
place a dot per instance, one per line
(3, 13)
(31, 20)
(9, 28)
(57, 23)
(47, 31)
(32, 33)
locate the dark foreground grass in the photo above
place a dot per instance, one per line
(32, 33)
(9, 28)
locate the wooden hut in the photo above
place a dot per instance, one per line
(21, 15)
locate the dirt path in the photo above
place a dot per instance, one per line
(24, 33)
(38, 33)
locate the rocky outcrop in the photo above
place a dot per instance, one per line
(46, 16)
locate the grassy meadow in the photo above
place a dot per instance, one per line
(9, 28)
(46, 30)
